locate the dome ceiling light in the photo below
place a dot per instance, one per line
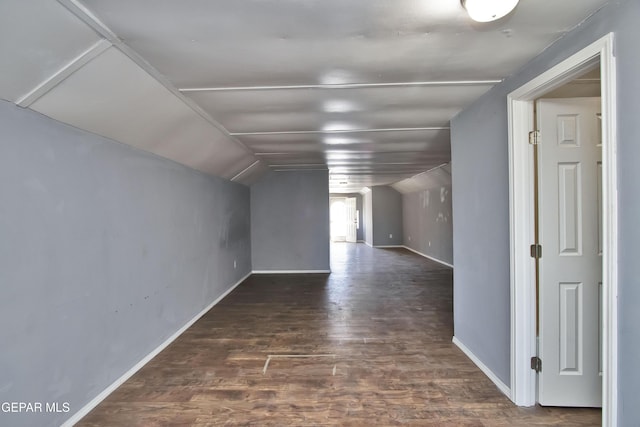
(488, 10)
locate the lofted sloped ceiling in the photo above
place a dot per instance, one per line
(437, 177)
(365, 88)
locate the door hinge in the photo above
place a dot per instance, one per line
(536, 251)
(534, 137)
(536, 364)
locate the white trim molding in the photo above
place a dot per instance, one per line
(446, 264)
(523, 335)
(117, 383)
(387, 246)
(488, 372)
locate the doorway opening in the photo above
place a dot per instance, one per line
(524, 257)
(338, 219)
(344, 223)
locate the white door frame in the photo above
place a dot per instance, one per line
(523, 335)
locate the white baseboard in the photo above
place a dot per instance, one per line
(368, 244)
(290, 271)
(427, 256)
(117, 383)
(387, 246)
(488, 372)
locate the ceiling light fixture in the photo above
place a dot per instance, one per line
(488, 10)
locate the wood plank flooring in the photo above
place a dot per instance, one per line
(369, 344)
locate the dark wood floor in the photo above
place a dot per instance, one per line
(376, 340)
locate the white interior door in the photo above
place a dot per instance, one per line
(352, 219)
(570, 171)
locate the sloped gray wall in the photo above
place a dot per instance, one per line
(105, 252)
(290, 221)
(427, 222)
(480, 180)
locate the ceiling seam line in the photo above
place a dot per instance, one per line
(281, 153)
(245, 170)
(339, 131)
(344, 86)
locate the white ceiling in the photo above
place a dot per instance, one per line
(363, 87)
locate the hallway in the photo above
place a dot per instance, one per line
(369, 344)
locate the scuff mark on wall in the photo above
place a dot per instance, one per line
(234, 230)
(426, 198)
(443, 194)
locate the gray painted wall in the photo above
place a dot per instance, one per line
(386, 216)
(427, 222)
(367, 206)
(358, 196)
(360, 207)
(106, 251)
(480, 180)
(290, 221)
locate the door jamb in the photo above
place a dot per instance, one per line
(520, 120)
(357, 221)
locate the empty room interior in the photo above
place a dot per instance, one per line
(305, 212)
